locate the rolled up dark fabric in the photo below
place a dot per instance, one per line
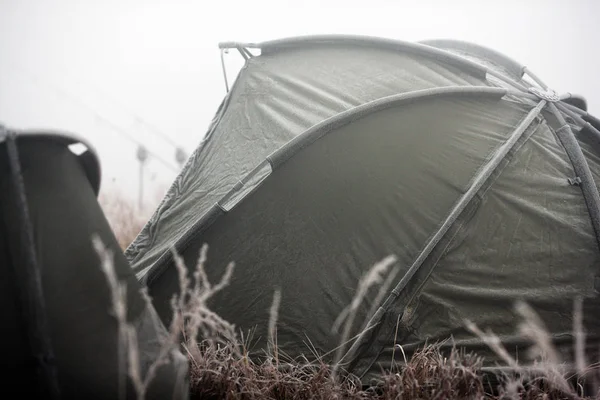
(65, 214)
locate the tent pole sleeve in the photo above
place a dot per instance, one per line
(582, 169)
(462, 203)
(512, 66)
(572, 108)
(517, 93)
(466, 198)
(420, 48)
(576, 117)
(31, 283)
(505, 79)
(281, 155)
(592, 128)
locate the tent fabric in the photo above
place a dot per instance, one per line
(331, 153)
(479, 54)
(64, 213)
(529, 241)
(352, 219)
(276, 99)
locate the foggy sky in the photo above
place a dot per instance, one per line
(89, 66)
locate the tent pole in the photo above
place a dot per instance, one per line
(224, 70)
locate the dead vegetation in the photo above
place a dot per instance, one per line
(125, 221)
(221, 369)
(124, 216)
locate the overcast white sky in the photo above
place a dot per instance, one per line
(76, 64)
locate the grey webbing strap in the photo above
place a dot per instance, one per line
(30, 285)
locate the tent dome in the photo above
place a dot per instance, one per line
(330, 153)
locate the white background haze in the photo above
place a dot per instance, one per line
(90, 66)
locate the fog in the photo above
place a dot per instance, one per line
(121, 72)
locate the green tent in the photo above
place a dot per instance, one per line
(330, 153)
(59, 331)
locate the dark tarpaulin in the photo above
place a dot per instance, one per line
(65, 213)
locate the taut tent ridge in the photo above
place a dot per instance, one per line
(329, 153)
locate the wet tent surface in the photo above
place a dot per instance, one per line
(529, 238)
(276, 98)
(388, 182)
(376, 187)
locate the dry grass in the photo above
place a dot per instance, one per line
(428, 375)
(124, 219)
(123, 215)
(221, 369)
(221, 373)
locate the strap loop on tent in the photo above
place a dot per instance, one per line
(34, 316)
